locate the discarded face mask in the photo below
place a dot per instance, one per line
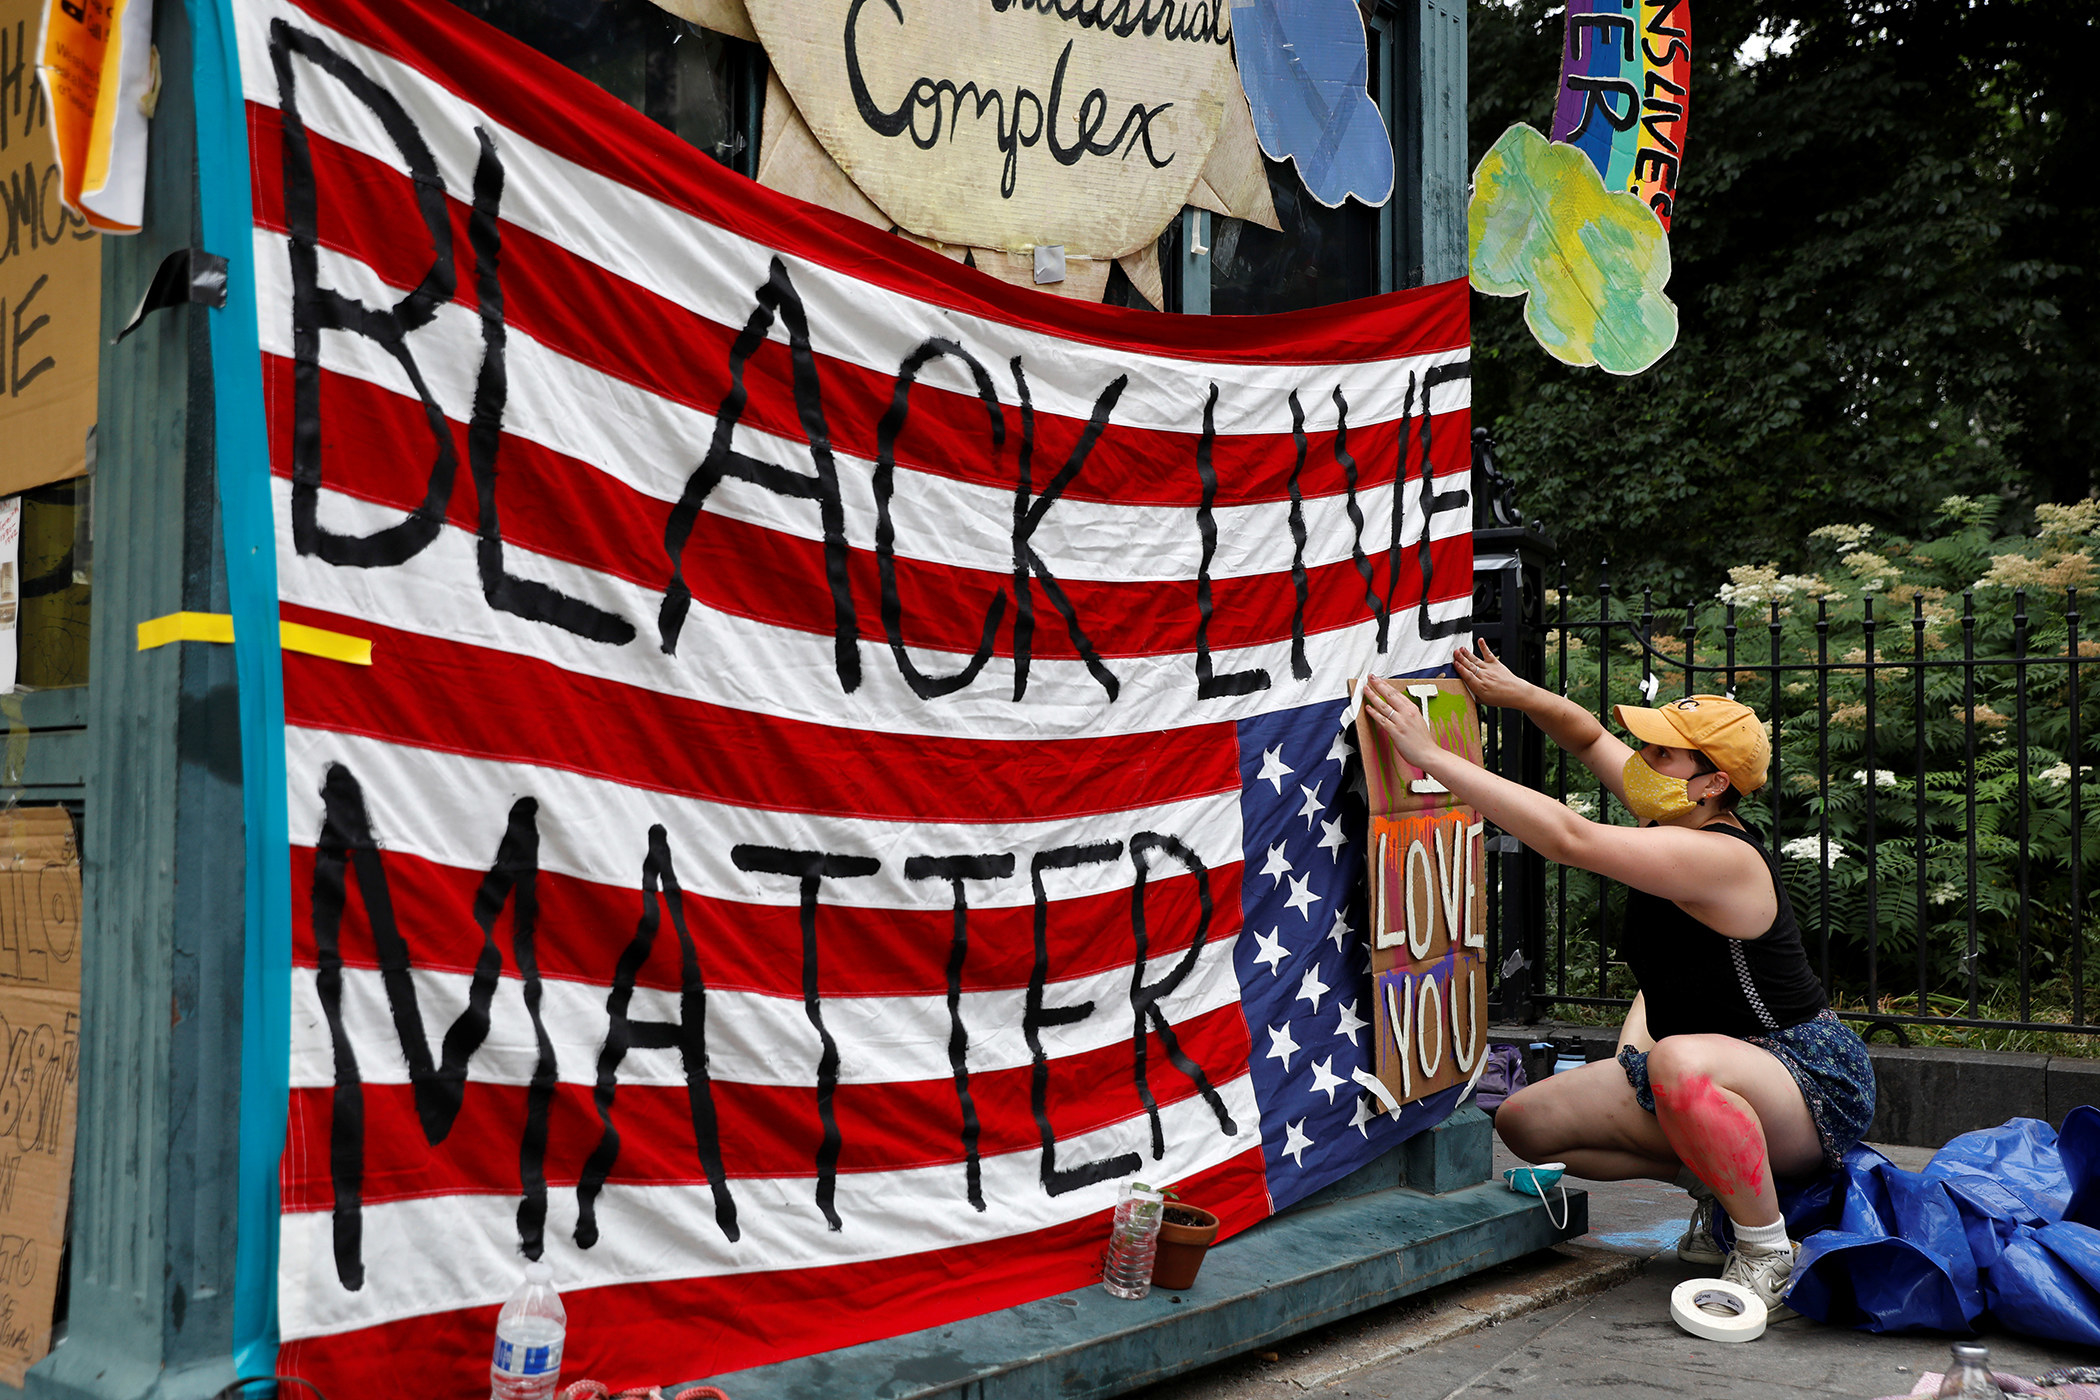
(1534, 1181)
(1537, 1181)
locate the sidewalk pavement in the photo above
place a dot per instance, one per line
(1589, 1318)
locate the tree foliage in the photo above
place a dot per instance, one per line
(1954, 799)
(1887, 269)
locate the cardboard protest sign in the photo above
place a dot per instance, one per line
(991, 124)
(1395, 787)
(1428, 943)
(39, 1064)
(50, 282)
(1428, 891)
(1626, 93)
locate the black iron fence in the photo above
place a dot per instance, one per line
(1928, 794)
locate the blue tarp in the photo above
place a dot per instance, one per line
(2000, 1227)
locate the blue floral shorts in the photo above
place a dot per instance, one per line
(1827, 1060)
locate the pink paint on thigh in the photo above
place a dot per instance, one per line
(1723, 1145)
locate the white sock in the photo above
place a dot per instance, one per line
(1761, 1239)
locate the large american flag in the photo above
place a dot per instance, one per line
(875, 785)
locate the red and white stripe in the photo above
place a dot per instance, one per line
(629, 263)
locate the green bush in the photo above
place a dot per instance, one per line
(1966, 592)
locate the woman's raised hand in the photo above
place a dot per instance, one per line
(1491, 682)
(1401, 719)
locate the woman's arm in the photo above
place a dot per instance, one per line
(1564, 722)
(1722, 882)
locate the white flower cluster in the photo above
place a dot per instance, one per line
(1883, 778)
(2061, 773)
(1752, 585)
(1845, 537)
(1581, 804)
(1810, 848)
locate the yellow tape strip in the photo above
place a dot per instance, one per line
(315, 641)
(185, 627)
(218, 627)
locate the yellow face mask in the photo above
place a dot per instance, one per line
(1653, 796)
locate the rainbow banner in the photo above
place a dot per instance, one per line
(1626, 92)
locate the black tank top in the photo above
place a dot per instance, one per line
(1697, 981)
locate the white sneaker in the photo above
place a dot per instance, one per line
(1766, 1272)
(1697, 1244)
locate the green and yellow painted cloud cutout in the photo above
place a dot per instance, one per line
(1593, 261)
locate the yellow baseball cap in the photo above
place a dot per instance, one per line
(1729, 733)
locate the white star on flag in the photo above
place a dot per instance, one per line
(1341, 930)
(1301, 897)
(1281, 1046)
(1277, 866)
(1274, 769)
(1331, 838)
(1312, 988)
(1295, 1142)
(1313, 805)
(1350, 1022)
(1272, 950)
(1366, 1110)
(1325, 1080)
(1338, 751)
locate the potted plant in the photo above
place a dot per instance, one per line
(1185, 1232)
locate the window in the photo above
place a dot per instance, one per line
(1321, 255)
(707, 87)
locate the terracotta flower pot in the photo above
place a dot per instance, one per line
(1181, 1247)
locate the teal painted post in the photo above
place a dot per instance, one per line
(1434, 177)
(156, 1165)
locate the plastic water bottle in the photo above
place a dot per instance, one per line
(1969, 1375)
(1133, 1240)
(529, 1332)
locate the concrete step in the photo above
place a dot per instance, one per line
(1292, 1272)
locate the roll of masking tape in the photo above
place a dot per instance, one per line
(1717, 1310)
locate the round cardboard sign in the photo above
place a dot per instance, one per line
(1011, 123)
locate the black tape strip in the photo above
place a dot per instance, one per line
(892, 426)
(1029, 568)
(1058, 1181)
(1146, 997)
(185, 275)
(812, 868)
(316, 309)
(1209, 685)
(505, 591)
(776, 296)
(1300, 667)
(513, 879)
(346, 849)
(1435, 503)
(956, 870)
(1024, 467)
(1392, 558)
(1356, 514)
(689, 1033)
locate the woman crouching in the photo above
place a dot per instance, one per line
(1732, 1070)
